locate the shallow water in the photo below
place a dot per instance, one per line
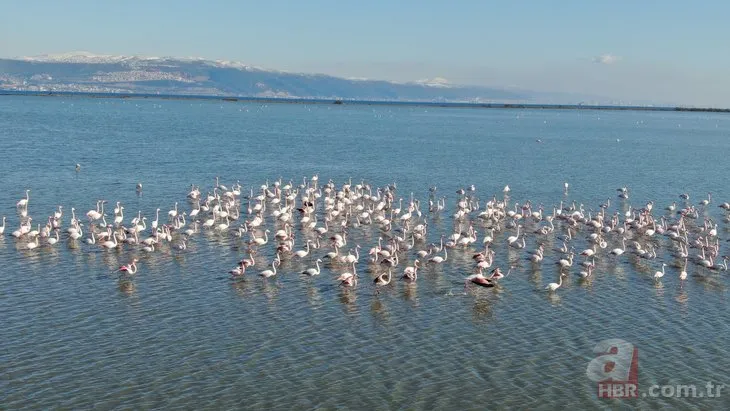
(73, 336)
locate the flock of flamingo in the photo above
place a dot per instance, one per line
(311, 223)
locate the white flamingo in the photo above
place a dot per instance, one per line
(438, 259)
(411, 272)
(382, 280)
(554, 286)
(313, 271)
(707, 200)
(33, 244)
(173, 213)
(303, 253)
(109, 244)
(683, 273)
(24, 201)
(53, 240)
(262, 241)
(348, 279)
(619, 251)
(270, 273)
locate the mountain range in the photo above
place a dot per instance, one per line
(90, 73)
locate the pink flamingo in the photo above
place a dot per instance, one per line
(478, 279)
(130, 268)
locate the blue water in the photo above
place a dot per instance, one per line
(185, 335)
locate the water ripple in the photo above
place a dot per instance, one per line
(182, 334)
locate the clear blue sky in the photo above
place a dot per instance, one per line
(662, 51)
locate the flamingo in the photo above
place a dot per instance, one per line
(438, 259)
(707, 200)
(194, 192)
(349, 259)
(587, 263)
(208, 223)
(589, 252)
(157, 219)
(348, 279)
(262, 241)
(512, 239)
(33, 244)
(53, 240)
(623, 192)
(322, 230)
(392, 261)
(537, 257)
(76, 234)
(382, 280)
(713, 231)
(635, 228)
(721, 266)
(183, 245)
(194, 212)
(683, 273)
(282, 233)
(96, 214)
(249, 261)
(563, 263)
(586, 274)
(554, 286)
(119, 217)
(130, 268)
(269, 273)
(224, 226)
(619, 251)
(303, 253)
(497, 273)
(333, 255)
(24, 201)
(478, 279)
(109, 244)
(313, 271)
(411, 272)
(34, 233)
(173, 213)
(239, 270)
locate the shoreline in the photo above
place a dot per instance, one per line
(278, 100)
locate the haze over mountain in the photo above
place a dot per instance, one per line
(92, 73)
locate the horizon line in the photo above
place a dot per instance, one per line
(343, 101)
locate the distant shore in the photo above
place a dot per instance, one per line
(278, 100)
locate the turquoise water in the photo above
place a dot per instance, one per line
(186, 335)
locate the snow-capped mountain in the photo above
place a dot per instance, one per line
(100, 73)
(92, 58)
(76, 57)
